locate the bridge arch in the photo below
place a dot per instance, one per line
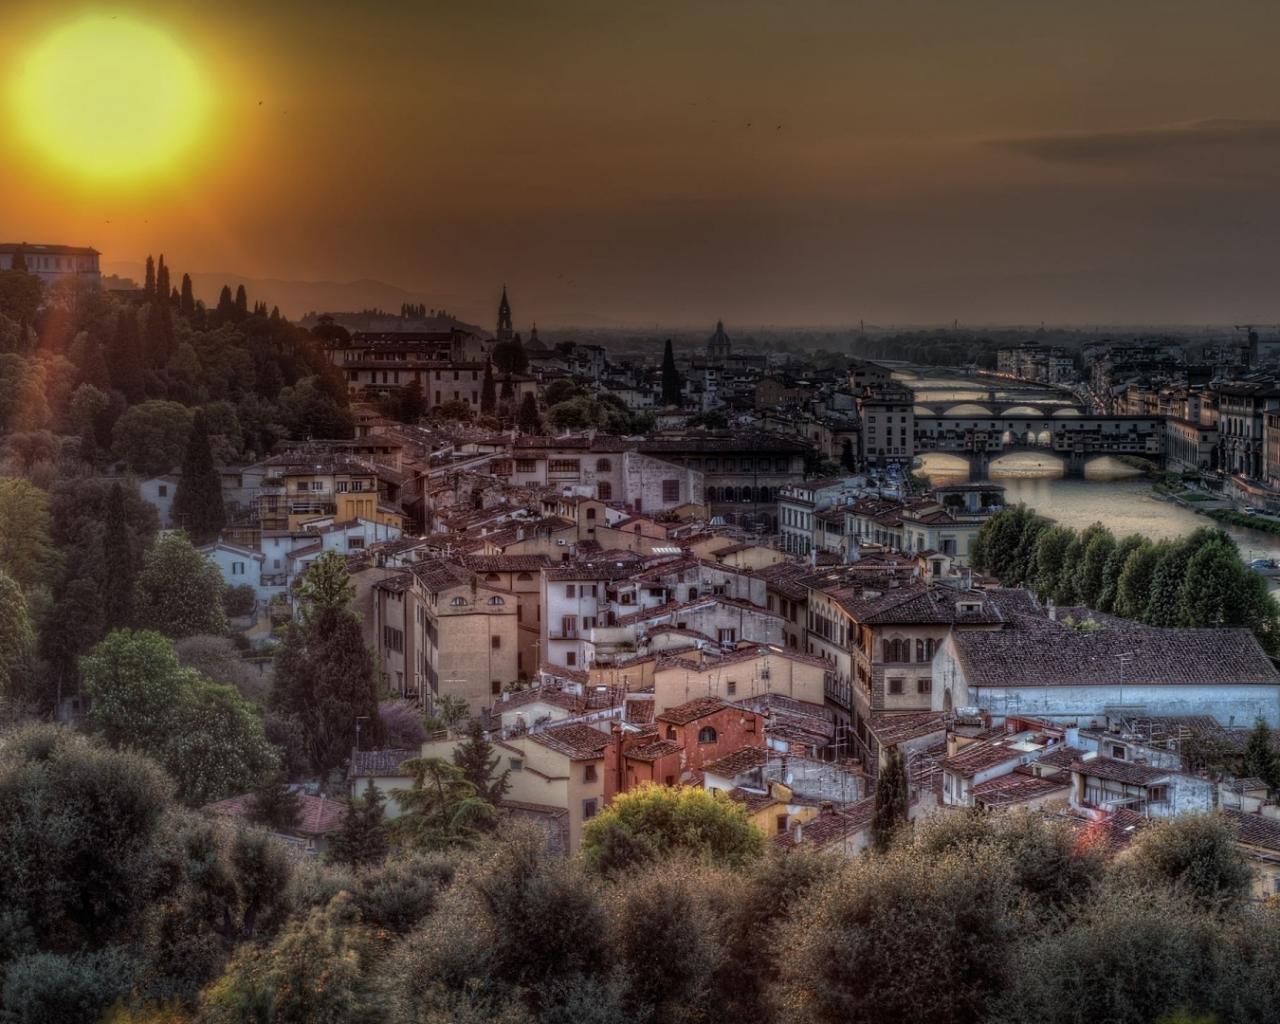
(969, 409)
(1022, 410)
(1068, 411)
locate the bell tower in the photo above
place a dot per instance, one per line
(504, 317)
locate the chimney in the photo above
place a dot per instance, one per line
(798, 834)
(1052, 609)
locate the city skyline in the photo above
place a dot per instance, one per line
(678, 163)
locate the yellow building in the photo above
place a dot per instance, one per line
(300, 487)
(738, 675)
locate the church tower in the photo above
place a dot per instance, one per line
(719, 346)
(504, 317)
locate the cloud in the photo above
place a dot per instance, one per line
(1144, 143)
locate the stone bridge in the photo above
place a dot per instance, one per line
(1074, 438)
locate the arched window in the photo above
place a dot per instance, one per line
(706, 734)
(603, 466)
(492, 577)
(693, 593)
(591, 514)
(497, 602)
(525, 577)
(458, 602)
(604, 490)
(671, 729)
(713, 494)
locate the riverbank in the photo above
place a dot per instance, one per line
(1234, 518)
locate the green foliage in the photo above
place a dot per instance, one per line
(529, 421)
(890, 813)
(17, 638)
(1194, 855)
(441, 809)
(324, 681)
(206, 735)
(479, 764)
(151, 437)
(25, 551)
(179, 590)
(320, 971)
(325, 585)
(238, 601)
(275, 805)
(902, 937)
(363, 839)
(653, 821)
(197, 505)
(1006, 544)
(1260, 757)
(1051, 552)
(1133, 590)
(68, 988)
(510, 357)
(1090, 576)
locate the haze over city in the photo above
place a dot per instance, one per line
(670, 163)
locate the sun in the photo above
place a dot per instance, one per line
(110, 98)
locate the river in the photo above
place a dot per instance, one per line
(1116, 495)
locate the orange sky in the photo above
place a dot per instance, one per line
(768, 163)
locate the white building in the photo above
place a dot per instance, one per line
(54, 263)
(158, 492)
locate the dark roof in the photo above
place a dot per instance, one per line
(365, 763)
(918, 603)
(39, 249)
(654, 749)
(1255, 829)
(506, 563)
(830, 826)
(977, 757)
(1038, 652)
(1018, 786)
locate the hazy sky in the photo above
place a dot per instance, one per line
(768, 163)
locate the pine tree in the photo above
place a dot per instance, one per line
(149, 288)
(671, 384)
(890, 812)
(477, 760)
(275, 805)
(198, 504)
(529, 420)
(362, 840)
(488, 397)
(242, 303)
(187, 298)
(121, 560)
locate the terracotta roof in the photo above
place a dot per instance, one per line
(437, 575)
(918, 603)
(578, 742)
(1018, 786)
(1121, 771)
(638, 712)
(741, 760)
(978, 757)
(1255, 829)
(1062, 756)
(506, 563)
(691, 711)
(654, 750)
(829, 826)
(890, 729)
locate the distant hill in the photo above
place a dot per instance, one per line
(295, 298)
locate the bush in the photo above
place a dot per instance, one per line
(239, 601)
(1194, 854)
(73, 989)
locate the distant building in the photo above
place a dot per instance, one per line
(54, 263)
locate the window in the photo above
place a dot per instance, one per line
(897, 650)
(671, 732)
(495, 687)
(589, 773)
(457, 602)
(522, 465)
(496, 602)
(895, 687)
(671, 491)
(495, 642)
(164, 490)
(1158, 795)
(591, 514)
(1117, 751)
(589, 808)
(392, 638)
(570, 590)
(671, 781)
(571, 659)
(728, 636)
(525, 577)
(781, 824)
(603, 466)
(515, 764)
(706, 734)
(237, 568)
(604, 491)
(492, 577)
(731, 687)
(924, 686)
(562, 465)
(569, 625)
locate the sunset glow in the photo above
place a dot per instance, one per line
(109, 98)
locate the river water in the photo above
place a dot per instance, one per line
(1116, 495)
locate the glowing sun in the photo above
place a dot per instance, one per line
(109, 97)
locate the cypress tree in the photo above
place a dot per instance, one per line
(890, 812)
(162, 280)
(226, 309)
(671, 385)
(126, 358)
(242, 303)
(488, 398)
(121, 560)
(477, 760)
(198, 503)
(149, 287)
(159, 345)
(529, 421)
(275, 314)
(187, 300)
